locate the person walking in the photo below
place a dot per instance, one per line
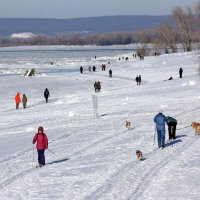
(17, 100)
(180, 72)
(171, 122)
(96, 86)
(46, 95)
(42, 144)
(24, 100)
(137, 79)
(160, 121)
(81, 69)
(110, 73)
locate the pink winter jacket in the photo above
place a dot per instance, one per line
(42, 141)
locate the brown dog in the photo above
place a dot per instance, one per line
(139, 155)
(128, 124)
(196, 126)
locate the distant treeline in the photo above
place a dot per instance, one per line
(73, 39)
(184, 31)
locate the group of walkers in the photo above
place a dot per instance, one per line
(89, 69)
(103, 68)
(24, 99)
(160, 119)
(18, 100)
(97, 86)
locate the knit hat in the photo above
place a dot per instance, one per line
(40, 129)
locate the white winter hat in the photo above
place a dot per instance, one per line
(160, 111)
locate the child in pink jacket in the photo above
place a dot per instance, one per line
(42, 144)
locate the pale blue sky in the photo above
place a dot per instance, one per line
(87, 8)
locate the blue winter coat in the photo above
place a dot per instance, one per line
(160, 120)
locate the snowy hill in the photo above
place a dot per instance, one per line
(95, 158)
(80, 25)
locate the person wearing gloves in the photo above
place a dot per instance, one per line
(42, 143)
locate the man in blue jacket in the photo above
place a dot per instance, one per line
(160, 121)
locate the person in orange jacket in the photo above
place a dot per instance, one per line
(17, 100)
(42, 144)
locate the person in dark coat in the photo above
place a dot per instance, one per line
(98, 86)
(160, 121)
(171, 122)
(81, 69)
(180, 72)
(137, 79)
(94, 68)
(24, 100)
(110, 73)
(95, 86)
(46, 95)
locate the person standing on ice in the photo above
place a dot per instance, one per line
(17, 100)
(160, 121)
(180, 72)
(42, 144)
(110, 73)
(24, 100)
(81, 69)
(46, 95)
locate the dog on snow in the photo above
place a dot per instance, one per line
(139, 155)
(196, 127)
(128, 124)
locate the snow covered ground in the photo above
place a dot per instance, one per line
(95, 158)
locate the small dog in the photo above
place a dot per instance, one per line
(128, 124)
(139, 155)
(196, 126)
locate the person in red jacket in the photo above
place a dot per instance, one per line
(42, 144)
(17, 100)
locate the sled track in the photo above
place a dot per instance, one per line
(77, 153)
(15, 177)
(147, 177)
(103, 189)
(27, 123)
(143, 181)
(97, 143)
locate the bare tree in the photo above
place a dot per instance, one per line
(142, 38)
(166, 37)
(185, 22)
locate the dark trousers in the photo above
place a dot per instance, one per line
(17, 105)
(24, 105)
(180, 75)
(46, 99)
(41, 158)
(172, 130)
